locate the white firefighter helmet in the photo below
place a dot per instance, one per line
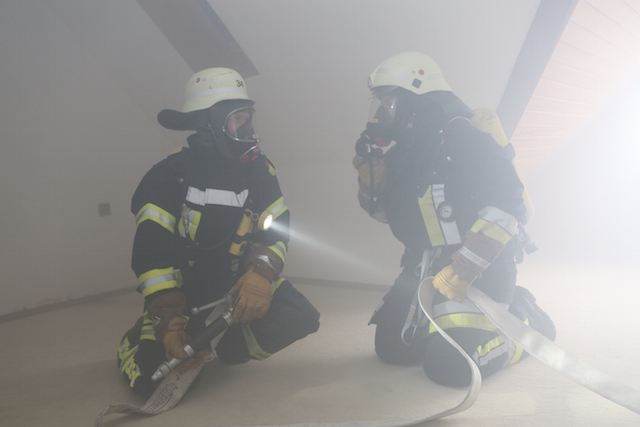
(208, 87)
(414, 71)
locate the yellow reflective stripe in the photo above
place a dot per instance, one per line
(277, 208)
(147, 332)
(491, 230)
(151, 212)
(519, 350)
(272, 170)
(279, 249)
(194, 222)
(430, 218)
(127, 365)
(496, 224)
(276, 285)
(463, 320)
(252, 345)
(125, 353)
(156, 280)
(494, 343)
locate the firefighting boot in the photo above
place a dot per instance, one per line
(525, 308)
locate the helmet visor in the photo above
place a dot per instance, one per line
(238, 125)
(383, 109)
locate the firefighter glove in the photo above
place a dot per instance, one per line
(475, 256)
(175, 338)
(253, 296)
(449, 284)
(164, 308)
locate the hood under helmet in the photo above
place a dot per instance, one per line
(219, 109)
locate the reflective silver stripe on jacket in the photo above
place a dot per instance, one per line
(497, 216)
(213, 196)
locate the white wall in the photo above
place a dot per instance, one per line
(82, 81)
(71, 137)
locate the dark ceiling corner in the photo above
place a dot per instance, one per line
(198, 34)
(545, 31)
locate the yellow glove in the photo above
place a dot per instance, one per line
(253, 298)
(449, 284)
(164, 308)
(364, 171)
(175, 338)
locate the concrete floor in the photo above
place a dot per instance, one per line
(60, 367)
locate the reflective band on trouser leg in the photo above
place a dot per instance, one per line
(452, 314)
(147, 332)
(440, 233)
(127, 365)
(252, 345)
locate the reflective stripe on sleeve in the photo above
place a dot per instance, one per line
(279, 249)
(158, 279)
(496, 224)
(277, 208)
(156, 214)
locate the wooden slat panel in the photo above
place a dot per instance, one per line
(623, 14)
(557, 105)
(597, 54)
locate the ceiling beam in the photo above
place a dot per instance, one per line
(548, 25)
(198, 35)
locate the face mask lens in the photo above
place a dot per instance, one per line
(238, 125)
(383, 110)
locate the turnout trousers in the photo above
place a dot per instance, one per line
(403, 335)
(290, 318)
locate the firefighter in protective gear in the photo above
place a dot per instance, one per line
(451, 195)
(198, 238)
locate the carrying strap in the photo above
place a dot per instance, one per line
(416, 318)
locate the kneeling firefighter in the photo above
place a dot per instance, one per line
(451, 195)
(201, 235)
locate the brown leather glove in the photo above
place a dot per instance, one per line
(175, 338)
(469, 262)
(253, 298)
(164, 308)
